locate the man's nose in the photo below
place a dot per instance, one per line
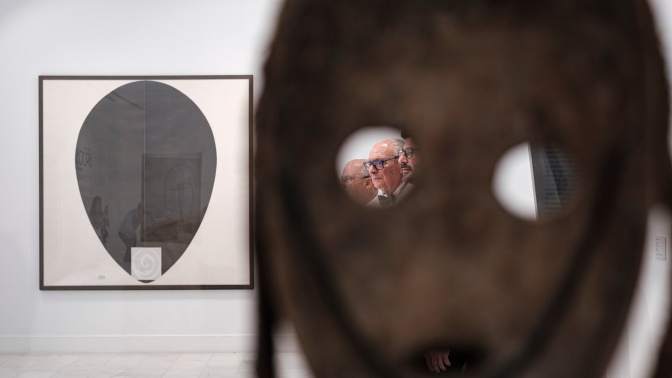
(402, 159)
(372, 169)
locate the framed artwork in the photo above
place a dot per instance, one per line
(145, 182)
(556, 179)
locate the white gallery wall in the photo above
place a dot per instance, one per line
(637, 351)
(164, 37)
(120, 37)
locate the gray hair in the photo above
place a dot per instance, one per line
(396, 143)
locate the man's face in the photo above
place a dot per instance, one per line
(409, 166)
(388, 178)
(356, 182)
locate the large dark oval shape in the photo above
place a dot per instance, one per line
(145, 162)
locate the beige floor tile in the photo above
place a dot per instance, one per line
(9, 371)
(99, 374)
(200, 357)
(147, 365)
(120, 364)
(90, 361)
(113, 371)
(226, 360)
(188, 365)
(178, 374)
(247, 366)
(152, 364)
(250, 357)
(294, 374)
(24, 361)
(146, 373)
(6, 357)
(214, 372)
(164, 356)
(82, 373)
(228, 357)
(38, 373)
(225, 365)
(126, 359)
(57, 361)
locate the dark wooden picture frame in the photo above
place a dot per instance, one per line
(159, 193)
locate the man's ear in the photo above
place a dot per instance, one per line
(369, 183)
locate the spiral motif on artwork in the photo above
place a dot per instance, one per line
(146, 264)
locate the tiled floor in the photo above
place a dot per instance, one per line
(186, 365)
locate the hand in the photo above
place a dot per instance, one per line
(437, 360)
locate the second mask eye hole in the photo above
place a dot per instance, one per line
(536, 181)
(376, 166)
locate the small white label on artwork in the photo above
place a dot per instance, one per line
(146, 263)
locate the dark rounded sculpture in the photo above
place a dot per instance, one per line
(368, 291)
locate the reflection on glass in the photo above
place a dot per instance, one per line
(172, 188)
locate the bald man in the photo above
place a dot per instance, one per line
(383, 166)
(357, 182)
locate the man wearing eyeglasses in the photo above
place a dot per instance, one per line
(357, 182)
(383, 167)
(409, 160)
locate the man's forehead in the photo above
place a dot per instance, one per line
(352, 169)
(382, 151)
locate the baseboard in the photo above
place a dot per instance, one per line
(245, 343)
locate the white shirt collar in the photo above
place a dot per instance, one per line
(396, 191)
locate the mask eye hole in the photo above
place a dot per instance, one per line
(535, 181)
(369, 166)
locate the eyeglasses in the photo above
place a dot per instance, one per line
(408, 152)
(379, 164)
(347, 179)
